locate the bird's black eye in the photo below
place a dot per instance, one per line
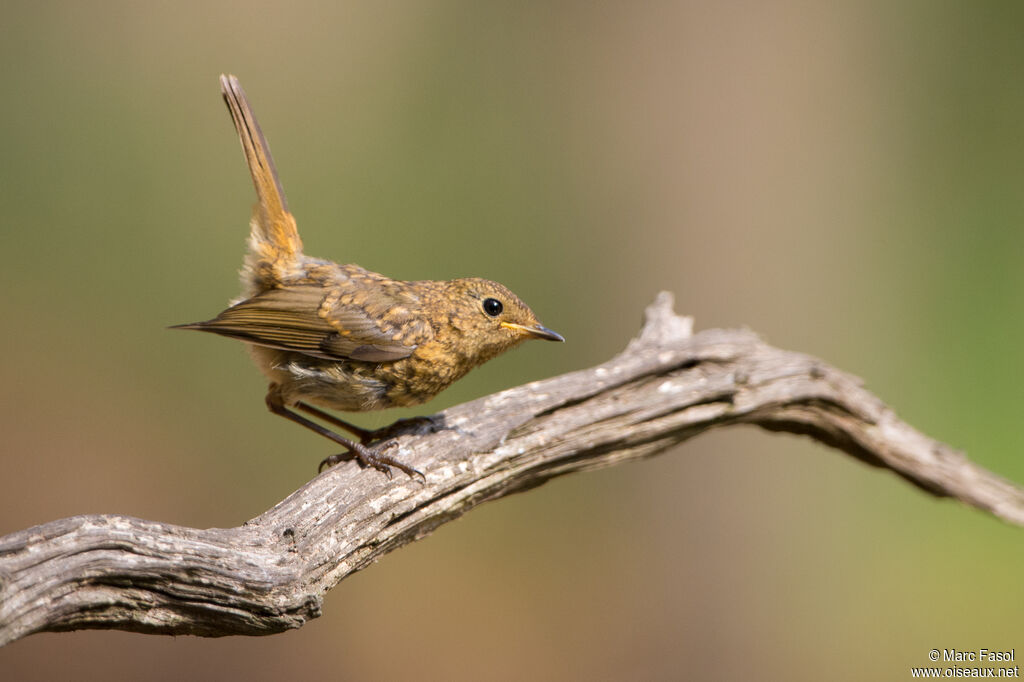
(493, 307)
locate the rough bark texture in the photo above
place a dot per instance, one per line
(269, 575)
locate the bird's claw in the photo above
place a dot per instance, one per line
(373, 457)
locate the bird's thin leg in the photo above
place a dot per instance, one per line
(364, 435)
(367, 436)
(367, 456)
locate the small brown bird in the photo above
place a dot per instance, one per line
(345, 338)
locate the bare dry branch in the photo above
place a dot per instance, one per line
(270, 574)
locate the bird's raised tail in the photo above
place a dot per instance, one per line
(275, 249)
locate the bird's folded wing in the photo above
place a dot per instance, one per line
(295, 318)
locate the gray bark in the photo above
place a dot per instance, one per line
(270, 574)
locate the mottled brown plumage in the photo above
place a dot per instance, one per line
(343, 337)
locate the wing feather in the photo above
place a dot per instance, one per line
(312, 320)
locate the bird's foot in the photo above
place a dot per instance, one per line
(374, 457)
(409, 426)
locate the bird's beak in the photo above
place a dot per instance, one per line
(537, 332)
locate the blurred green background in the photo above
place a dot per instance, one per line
(843, 178)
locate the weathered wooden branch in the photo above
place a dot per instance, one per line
(269, 575)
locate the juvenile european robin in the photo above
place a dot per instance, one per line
(343, 337)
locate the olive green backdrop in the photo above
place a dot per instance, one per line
(845, 180)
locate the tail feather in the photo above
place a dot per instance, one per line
(275, 246)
